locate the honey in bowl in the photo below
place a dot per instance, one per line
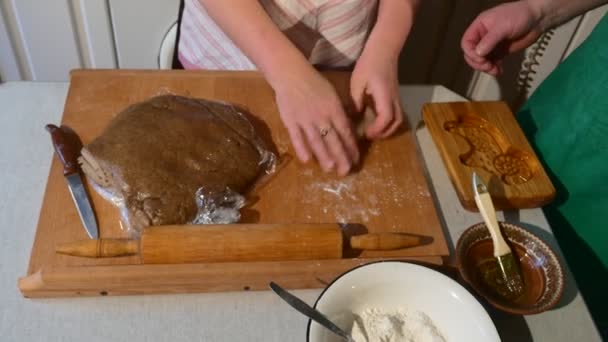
(541, 270)
(482, 260)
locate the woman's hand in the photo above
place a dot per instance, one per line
(314, 116)
(499, 31)
(308, 103)
(375, 75)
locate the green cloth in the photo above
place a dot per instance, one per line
(566, 121)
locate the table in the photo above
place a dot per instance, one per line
(25, 157)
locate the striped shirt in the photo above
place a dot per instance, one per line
(330, 33)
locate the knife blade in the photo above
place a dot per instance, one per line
(67, 146)
(309, 311)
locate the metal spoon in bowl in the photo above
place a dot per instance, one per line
(309, 312)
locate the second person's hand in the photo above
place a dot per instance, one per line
(316, 121)
(499, 31)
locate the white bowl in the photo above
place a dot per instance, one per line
(391, 285)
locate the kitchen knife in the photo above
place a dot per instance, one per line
(67, 147)
(309, 311)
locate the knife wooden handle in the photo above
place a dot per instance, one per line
(66, 148)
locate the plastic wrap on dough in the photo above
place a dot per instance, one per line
(177, 160)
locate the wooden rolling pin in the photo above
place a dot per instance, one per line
(236, 242)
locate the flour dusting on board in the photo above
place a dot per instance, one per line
(350, 203)
(345, 201)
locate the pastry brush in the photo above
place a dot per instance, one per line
(508, 273)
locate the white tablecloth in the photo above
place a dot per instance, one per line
(25, 156)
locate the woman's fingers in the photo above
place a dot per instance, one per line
(312, 112)
(299, 144)
(397, 121)
(384, 112)
(346, 135)
(357, 90)
(334, 144)
(338, 137)
(317, 145)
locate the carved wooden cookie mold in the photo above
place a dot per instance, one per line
(490, 150)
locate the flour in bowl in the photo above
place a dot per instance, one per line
(374, 325)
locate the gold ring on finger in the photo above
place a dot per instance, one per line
(324, 131)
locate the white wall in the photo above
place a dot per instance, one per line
(140, 26)
(42, 40)
(95, 34)
(43, 36)
(9, 66)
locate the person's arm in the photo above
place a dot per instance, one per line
(375, 73)
(514, 26)
(309, 105)
(553, 13)
(252, 30)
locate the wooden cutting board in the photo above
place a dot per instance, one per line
(485, 137)
(388, 193)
